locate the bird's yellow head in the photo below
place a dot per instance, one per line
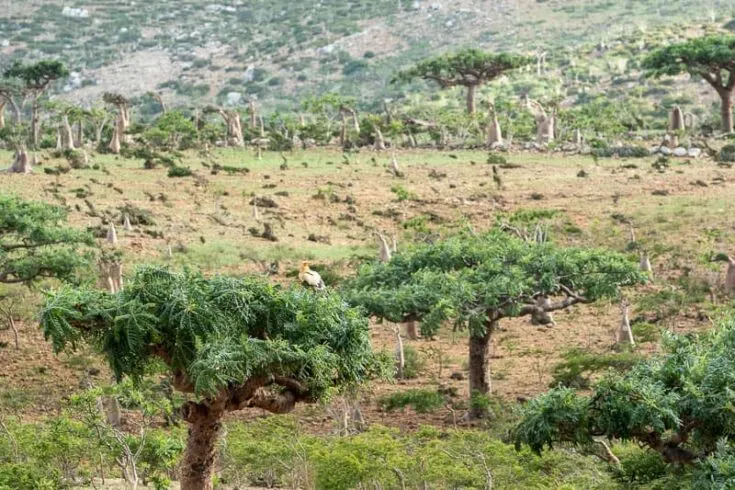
(304, 266)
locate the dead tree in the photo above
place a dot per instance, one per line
(544, 122)
(494, 133)
(122, 122)
(676, 124)
(625, 333)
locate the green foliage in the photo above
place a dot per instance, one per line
(621, 152)
(727, 154)
(414, 363)
(422, 401)
(277, 452)
(703, 56)
(677, 404)
(35, 243)
(173, 130)
(495, 159)
(469, 277)
(39, 75)
(469, 67)
(176, 171)
(579, 365)
(402, 194)
(217, 332)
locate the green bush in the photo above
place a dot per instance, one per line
(495, 159)
(422, 401)
(414, 363)
(176, 171)
(579, 365)
(727, 154)
(621, 152)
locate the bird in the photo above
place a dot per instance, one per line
(310, 277)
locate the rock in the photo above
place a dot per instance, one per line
(664, 150)
(77, 13)
(680, 152)
(694, 152)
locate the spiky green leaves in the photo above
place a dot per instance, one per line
(218, 332)
(469, 67)
(35, 243)
(679, 403)
(469, 278)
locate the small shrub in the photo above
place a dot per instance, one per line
(414, 363)
(402, 194)
(579, 365)
(495, 159)
(727, 154)
(422, 401)
(176, 171)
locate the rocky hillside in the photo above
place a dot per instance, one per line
(281, 51)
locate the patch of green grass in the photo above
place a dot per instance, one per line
(422, 401)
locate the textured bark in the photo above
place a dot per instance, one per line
(494, 133)
(35, 122)
(234, 127)
(67, 136)
(254, 114)
(411, 330)
(730, 276)
(726, 111)
(117, 135)
(544, 122)
(200, 456)
(471, 91)
(384, 252)
(3, 103)
(480, 351)
(542, 317)
(379, 140)
(625, 334)
(676, 122)
(21, 164)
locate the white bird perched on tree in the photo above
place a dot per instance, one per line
(310, 277)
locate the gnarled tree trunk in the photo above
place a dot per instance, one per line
(67, 136)
(234, 127)
(21, 164)
(480, 382)
(200, 456)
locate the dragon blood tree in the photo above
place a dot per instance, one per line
(678, 404)
(476, 281)
(228, 343)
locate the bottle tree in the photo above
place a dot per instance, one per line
(476, 281)
(469, 68)
(36, 79)
(710, 57)
(678, 404)
(229, 344)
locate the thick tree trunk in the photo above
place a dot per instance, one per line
(411, 331)
(21, 165)
(471, 89)
(727, 125)
(494, 133)
(480, 383)
(80, 133)
(117, 133)
(35, 129)
(200, 457)
(67, 137)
